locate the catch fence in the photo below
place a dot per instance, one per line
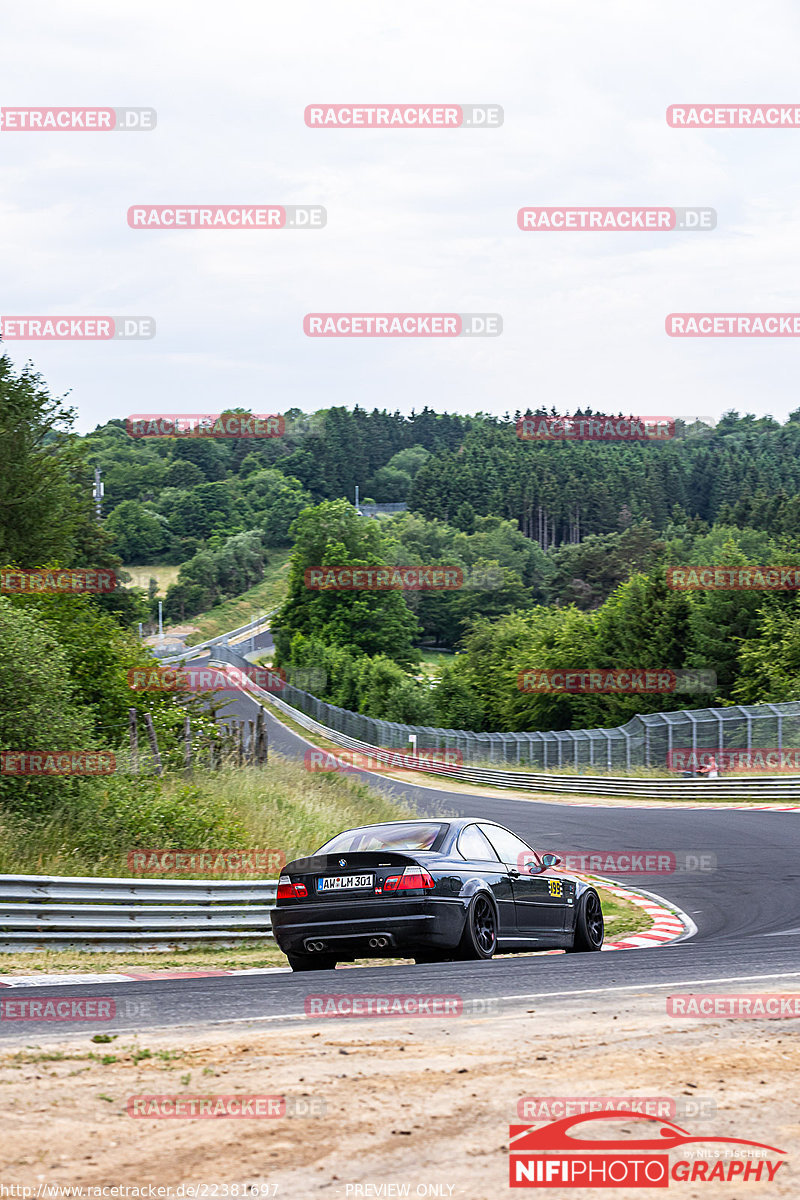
(644, 741)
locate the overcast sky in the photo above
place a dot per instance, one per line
(421, 221)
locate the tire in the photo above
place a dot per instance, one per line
(479, 939)
(589, 925)
(308, 962)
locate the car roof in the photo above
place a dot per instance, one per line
(453, 822)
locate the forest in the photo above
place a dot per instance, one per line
(563, 547)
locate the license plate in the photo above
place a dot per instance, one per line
(343, 883)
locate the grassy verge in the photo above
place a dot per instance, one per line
(279, 807)
(241, 609)
(164, 573)
(621, 917)
(432, 661)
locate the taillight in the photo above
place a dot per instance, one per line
(290, 891)
(412, 877)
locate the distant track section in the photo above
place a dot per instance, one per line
(771, 790)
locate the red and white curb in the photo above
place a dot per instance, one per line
(707, 805)
(669, 923)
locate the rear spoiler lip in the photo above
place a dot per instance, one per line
(358, 859)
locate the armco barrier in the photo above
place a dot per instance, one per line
(41, 912)
(222, 639)
(768, 790)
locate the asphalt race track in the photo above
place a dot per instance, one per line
(747, 913)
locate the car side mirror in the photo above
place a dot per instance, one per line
(550, 860)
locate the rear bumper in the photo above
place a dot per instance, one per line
(405, 924)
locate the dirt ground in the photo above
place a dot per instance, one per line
(420, 1104)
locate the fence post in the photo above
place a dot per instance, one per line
(133, 732)
(261, 737)
(187, 744)
(151, 733)
(240, 744)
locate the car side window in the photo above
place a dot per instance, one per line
(511, 849)
(472, 844)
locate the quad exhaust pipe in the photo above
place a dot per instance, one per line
(375, 943)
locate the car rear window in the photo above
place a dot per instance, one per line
(416, 836)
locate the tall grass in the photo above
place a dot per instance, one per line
(280, 806)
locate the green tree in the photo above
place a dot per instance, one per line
(39, 706)
(138, 533)
(45, 503)
(369, 622)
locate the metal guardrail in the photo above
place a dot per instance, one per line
(221, 638)
(43, 912)
(765, 789)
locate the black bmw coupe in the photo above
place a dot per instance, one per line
(432, 891)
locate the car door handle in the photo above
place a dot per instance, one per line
(513, 872)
